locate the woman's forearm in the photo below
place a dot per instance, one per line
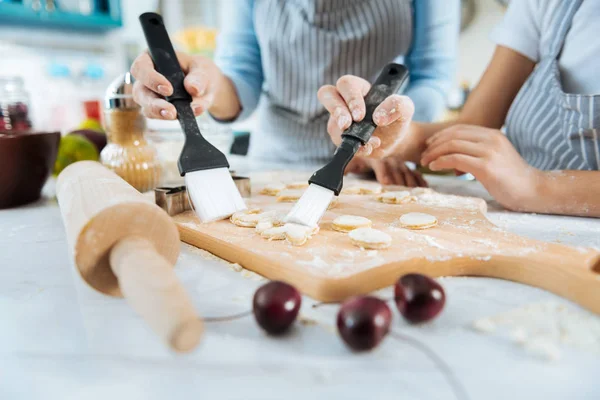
(226, 105)
(567, 193)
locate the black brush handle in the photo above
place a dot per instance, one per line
(163, 54)
(197, 153)
(389, 81)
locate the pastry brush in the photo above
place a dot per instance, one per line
(328, 181)
(212, 192)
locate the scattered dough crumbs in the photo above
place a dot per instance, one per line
(368, 238)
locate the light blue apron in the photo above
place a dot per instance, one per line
(552, 129)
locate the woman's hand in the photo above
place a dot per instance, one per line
(345, 103)
(490, 157)
(388, 171)
(202, 81)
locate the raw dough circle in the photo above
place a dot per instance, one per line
(289, 196)
(401, 197)
(272, 189)
(297, 185)
(347, 223)
(368, 238)
(363, 188)
(417, 220)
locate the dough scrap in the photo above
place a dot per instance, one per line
(369, 238)
(401, 197)
(251, 217)
(363, 188)
(417, 220)
(272, 189)
(297, 185)
(347, 223)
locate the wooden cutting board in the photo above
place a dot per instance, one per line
(330, 268)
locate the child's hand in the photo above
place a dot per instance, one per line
(490, 157)
(345, 102)
(201, 81)
(389, 171)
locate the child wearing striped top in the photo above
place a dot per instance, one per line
(542, 86)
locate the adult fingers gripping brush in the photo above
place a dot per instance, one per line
(211, 189)
(328, 181)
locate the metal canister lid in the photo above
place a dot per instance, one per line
(119, 94)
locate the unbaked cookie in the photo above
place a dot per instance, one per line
(417, 220)
(347, 223)
(269, 222)
(250, 218)
(295, 234)
(297, 185)
(246, 218)
(368, 238)
(272, 189)
(274, 233)
(289, 195)
(401, 197)
(363, 188)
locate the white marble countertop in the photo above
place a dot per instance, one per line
(61, 340)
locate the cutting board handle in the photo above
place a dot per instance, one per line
(564, 272)
(150, 286)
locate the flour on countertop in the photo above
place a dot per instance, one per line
(543, 328)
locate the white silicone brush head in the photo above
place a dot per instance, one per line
(213, 194)
(311, 206)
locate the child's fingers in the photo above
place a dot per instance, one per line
(397, 172)
(353, 90)
(457, 146)
(381, 173)
(394, 108)
(335, 105)
(462, 132)
(143, 71)
(420, 180)
(460, 162)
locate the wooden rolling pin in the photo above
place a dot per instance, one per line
(124, 245)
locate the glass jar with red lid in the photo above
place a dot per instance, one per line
(14, 105)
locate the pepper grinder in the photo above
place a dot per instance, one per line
(128, 153)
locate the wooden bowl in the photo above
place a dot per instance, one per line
(26, 161)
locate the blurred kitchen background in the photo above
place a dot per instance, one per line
(59, 56)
